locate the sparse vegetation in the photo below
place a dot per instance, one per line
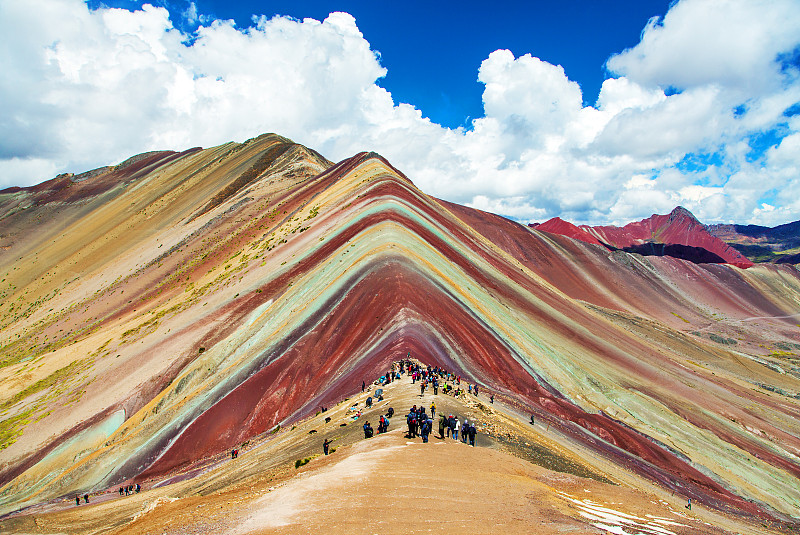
(722, 340)
(47, 389)
(680, 317)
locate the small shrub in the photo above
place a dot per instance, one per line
(300, 462)
(722, 340)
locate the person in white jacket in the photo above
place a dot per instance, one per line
(456, 429)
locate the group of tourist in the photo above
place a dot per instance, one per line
(419, 422)
(451, 426)
(434, 376)
(130, 489)
(383, 425)
(417, 419)
(123, 491)
(421, 425)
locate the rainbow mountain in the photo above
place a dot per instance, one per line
(165, 309)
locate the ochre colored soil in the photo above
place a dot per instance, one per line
(393, 484)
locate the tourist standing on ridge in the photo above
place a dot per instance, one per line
(433, 409)
(383, 425)
(472, 432)
(363, 386)
(326, 445)
(456, 428)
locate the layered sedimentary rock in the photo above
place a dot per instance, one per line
(175, 305)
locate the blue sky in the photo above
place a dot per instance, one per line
(432, 50)
(596, 111)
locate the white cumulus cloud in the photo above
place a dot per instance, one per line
(695, 114)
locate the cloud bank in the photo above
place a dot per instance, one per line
(704, 112)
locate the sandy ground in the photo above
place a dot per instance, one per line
(392, 484)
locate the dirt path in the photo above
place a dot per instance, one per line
(393, 485)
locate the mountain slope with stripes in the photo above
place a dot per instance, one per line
(168, 308)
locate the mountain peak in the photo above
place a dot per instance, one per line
(679, 212)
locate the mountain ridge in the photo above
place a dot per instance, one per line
(186, 326)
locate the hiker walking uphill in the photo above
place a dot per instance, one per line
(411, 420)
(425, 430)
(472, 432)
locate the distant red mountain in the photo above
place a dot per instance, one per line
(678, 234)
(565, 228)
